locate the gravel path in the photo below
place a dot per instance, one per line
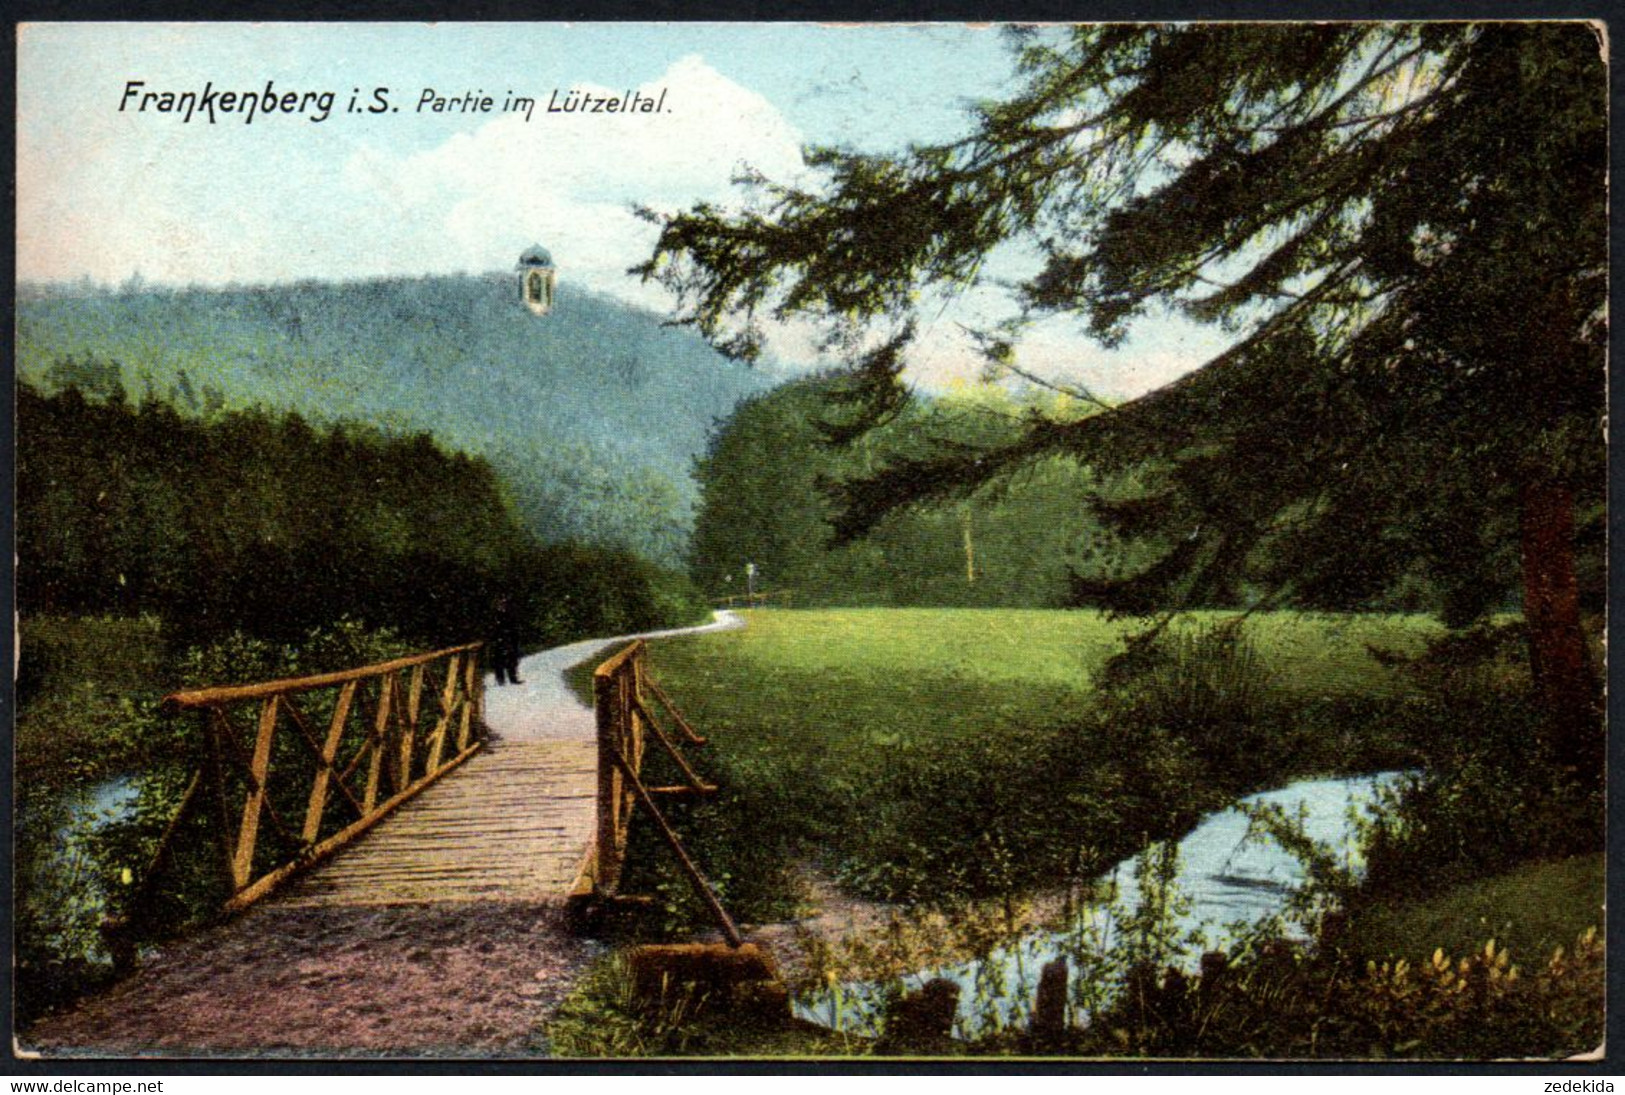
(450, 979)
(544, 707)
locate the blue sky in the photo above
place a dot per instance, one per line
(107, 194)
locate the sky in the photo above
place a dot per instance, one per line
(370, 182)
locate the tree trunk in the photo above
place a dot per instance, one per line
(1565, 684)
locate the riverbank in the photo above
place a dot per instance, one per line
(1275, 997)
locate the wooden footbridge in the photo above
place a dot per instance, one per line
(291, 775)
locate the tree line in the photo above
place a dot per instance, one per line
(263, 523)
(770, 480)
(765, 479)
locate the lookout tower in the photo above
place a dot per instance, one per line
(536, 272)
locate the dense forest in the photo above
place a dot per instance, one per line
(262, 522)
(590, 415)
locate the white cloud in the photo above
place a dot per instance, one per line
(1056, 349)
(113, 193)
(569, 180)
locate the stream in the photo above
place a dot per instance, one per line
(61, 890)
(1228, 882)
(76, 813)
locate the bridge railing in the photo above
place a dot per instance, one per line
(777, 598)
(625, 699)
(298, 768)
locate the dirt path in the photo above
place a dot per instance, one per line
(448, 979)
(544, 707)
(463, 980)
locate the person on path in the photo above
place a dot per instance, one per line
(505, 642)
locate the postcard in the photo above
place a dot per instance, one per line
(931, 544)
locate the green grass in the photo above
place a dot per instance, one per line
(1307, 652)
(1529, 912)
(879, 675)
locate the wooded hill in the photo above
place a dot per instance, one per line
(591, 415)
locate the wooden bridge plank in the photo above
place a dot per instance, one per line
(512, 825)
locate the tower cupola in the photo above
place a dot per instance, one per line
(536, 273)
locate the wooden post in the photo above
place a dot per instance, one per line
(437, 739)
(609, 791)
(1049, 1006)
(635, 703)
(330, 748)
(630, 744)
(243, 862)
(970, 545)
(414, 696)
(409, 726)
(471, 667)
(379, 740)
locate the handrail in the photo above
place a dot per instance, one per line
(616, 661)
(231, 693)
(620, 685)
(344, 760)
(784, 597)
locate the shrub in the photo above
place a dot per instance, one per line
(1281, 1000)
(1207, 687)
(1488, 770)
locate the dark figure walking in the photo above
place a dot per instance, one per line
(505, 642)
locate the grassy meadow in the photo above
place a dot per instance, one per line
(1529, 912)
(1307, 654)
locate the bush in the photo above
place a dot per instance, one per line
(1281, 1000)
(1206, 687)
(1487, 770)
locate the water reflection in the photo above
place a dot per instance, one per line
(1226, 880)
